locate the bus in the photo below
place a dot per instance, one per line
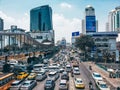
(6, 80)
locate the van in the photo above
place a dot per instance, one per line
(63, 85)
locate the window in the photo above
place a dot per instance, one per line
(39, 37)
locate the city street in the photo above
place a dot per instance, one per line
(84, 74)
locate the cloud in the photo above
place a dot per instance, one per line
(65, 5)
(64, 27)
(6, 18)
(22, 22)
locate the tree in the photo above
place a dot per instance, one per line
(84, 42)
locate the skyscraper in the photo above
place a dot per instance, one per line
(1, 24)
(41, 19)
(114, 19)
(117, 24)
(89, 24)
(41, 26)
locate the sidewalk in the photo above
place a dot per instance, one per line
(115, 82)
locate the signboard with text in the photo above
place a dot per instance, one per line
(90, 24)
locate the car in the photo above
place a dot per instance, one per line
(28, 85)
(49, 85)
(96, 76)
(76, 71)
(102, 85)
(54, 75)
(79, 83)
(63, 85)
(32, 76)
(65, 76)
(61, 70)
(41, 76)
(16, 85)
(22, 75)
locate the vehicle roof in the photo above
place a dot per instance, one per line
(28, 81)
(38, 64)
(63, 81)
(76, 68)
(101, 82)
(53, 72)
(79, 79)
(22, 72)
(68, 65)
(49, 80)
(16, 81)
(65, 72)
(96, 73)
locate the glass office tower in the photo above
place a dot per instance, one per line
(41, 19)
(1, 24)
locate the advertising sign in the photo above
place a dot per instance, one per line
(75, 33)
(90, 24)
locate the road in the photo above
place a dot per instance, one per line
(85, 75)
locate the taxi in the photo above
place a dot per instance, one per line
(32, 76)
(22, 75)
(79, 83)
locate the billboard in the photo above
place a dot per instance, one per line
(90, 24)
(75, 33)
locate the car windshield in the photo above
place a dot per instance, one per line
(97, 75)
(76, 69)
(26, 84)
(62, 84)
(79, 81)
(103, 85)
(20, 74)
(51, 75)
(39, 75)
(14, 84)
(48, 82)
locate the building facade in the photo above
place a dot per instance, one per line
(89, 24)
(41, 37)
(1, 24)
(104, 42)
(41, 25)
(11, 39)
(41, 19)
(114, 20)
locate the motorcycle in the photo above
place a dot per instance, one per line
(72, 75)
(90, 67)
(90, 86)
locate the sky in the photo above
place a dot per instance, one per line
(67, 14)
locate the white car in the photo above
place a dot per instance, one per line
(76, 71)
(53, 75)
(102, 85)
(28, 85)
(96, 76)
(16, 85)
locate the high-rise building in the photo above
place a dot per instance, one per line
(114, 19)
(41, 19)
(117, 19)
(89, 24)
(41, 26)
(107, 27)
(1, 24)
